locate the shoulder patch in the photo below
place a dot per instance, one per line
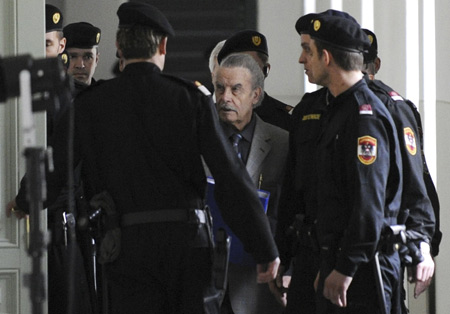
(395, 96)
(367, 149)
(365, 109)
(410, 140)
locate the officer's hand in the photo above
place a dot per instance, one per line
(279, 278)
(279, 286)
(423, 271)
(280, 293)
(267, 272)
(421, 286)
(335, 288)
(316, 281)
(11, 207)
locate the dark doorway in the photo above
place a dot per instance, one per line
(199, 25)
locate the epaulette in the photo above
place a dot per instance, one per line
(196, 85)
(388, 91)
(363, 102)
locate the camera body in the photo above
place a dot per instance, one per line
(48, 80)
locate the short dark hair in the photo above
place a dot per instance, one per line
(138, 41)
(264, 58)
(348, 61)
(370, 68)
(60, 34)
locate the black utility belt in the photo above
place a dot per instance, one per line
(198, 216)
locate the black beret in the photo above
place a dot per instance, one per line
(302, 25)
(372, 53)
(139, 13)
(82, 35)
(246, 40)
(339, 32)
(53, 19)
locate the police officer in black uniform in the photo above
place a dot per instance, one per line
(296, 228)
(254, 43)
(417, 210)
(140, 138)
(82, 51)
(54, 37)
(358, 175)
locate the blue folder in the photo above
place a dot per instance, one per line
(237, 253)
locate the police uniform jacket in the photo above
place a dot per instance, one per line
(299, 192)
(140, 137)
(274, 112)
(359, 177)
(416, 205)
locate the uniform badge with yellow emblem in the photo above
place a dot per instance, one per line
(410, 141)
(56, 17)
(367, 149)
(256, 40)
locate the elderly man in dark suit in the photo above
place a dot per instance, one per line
(262, 147)
(254, 44)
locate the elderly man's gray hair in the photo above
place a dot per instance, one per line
(243, 60)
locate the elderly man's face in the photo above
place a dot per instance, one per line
(235, 96)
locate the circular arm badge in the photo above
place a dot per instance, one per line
(367, 149)
(410, 141)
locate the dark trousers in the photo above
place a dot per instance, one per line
(58, 284)
(163, 268)
(301, 297)
(362, 296)
(58, 273)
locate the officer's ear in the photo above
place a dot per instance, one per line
(257, 92)
(163, 46)
(62, 45)
(266, 69)
(377, 63)
(326, 56)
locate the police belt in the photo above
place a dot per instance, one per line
(392, 237)
(198, 216)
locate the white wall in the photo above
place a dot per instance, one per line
(286, 75)
(443, 151)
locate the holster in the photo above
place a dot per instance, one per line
(110, 241)
(220, 259)
(392, 238)
(303, 232)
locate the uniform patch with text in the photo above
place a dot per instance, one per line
(410, 141)
(313, 116)
(367, 149)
